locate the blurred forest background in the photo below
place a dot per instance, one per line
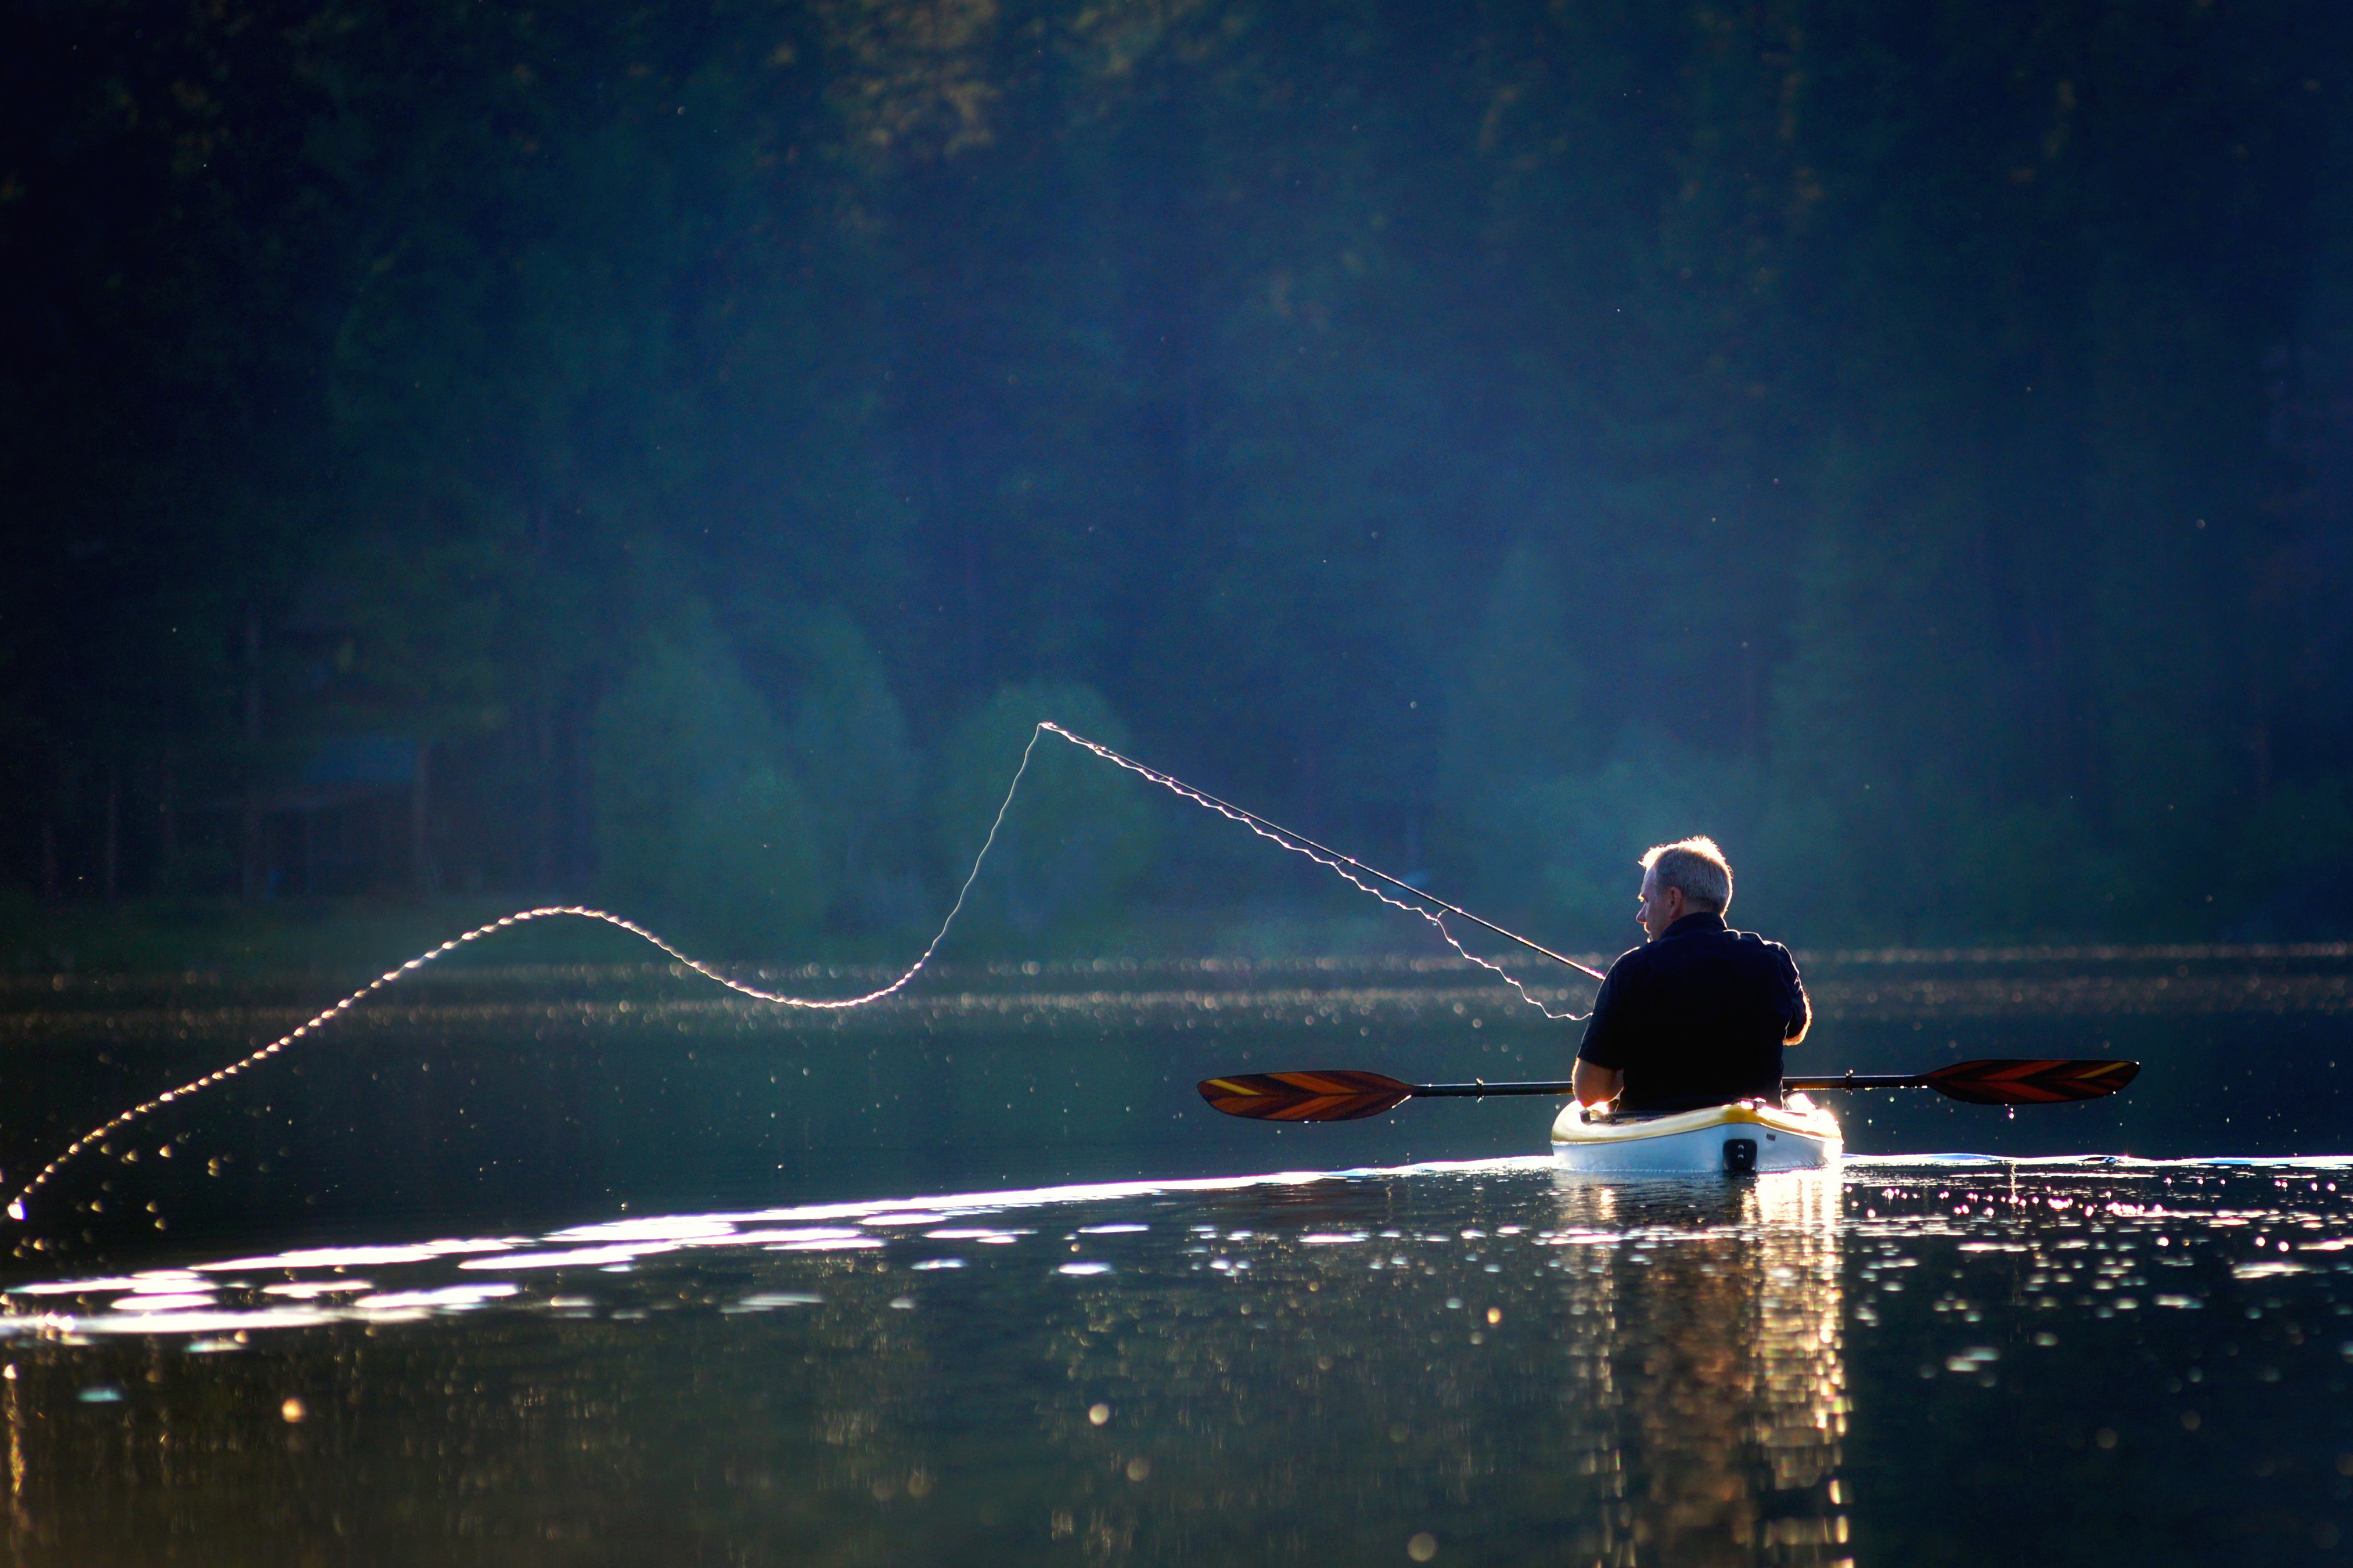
(672, 455)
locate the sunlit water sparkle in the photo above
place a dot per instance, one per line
(1941, 1357)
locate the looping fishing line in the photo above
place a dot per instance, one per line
(17, 1207)
(1338, 864)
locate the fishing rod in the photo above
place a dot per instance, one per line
(1278, 831)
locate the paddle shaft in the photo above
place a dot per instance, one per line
(1862, 1081)
(1844, 1081)
(1348, 1093)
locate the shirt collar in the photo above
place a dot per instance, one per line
(1693, 924)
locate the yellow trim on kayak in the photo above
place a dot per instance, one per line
(1799, 1121)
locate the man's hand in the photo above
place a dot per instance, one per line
(1596, 1086)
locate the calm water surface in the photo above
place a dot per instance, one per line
(578, 1269)
(1915, 1362)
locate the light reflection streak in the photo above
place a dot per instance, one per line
(63, 1326)
(572, 1257)
(1588, 1225)
(448, 1297)
(1713, 1373)
(787, 1233)
(161, 1303)
(18, 1521)
(360, 1256)
(647, 1236)
(1656, 1375)
(664, 1228)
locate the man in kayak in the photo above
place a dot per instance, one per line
(1698, 1015)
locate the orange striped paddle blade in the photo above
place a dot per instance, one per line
(1335, 1094)
(2031, 1082)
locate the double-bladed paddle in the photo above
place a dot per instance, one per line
(1346, 1094)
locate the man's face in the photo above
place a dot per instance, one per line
(1661, 906)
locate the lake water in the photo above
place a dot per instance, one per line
(585, 1269)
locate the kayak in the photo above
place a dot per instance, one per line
(1748, 1136)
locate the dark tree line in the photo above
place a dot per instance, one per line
(674, 452)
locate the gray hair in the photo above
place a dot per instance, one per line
(1697, 866)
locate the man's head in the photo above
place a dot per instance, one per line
(1684, 878)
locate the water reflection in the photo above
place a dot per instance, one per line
(1710, 1359)
(1482, 1363)
(1317, 1366)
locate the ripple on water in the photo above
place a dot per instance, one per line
(1473, 1361)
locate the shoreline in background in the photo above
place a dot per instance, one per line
(1016, 994)
(227, 939)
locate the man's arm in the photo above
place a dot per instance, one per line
(1593, 1083)
(1802, 1015)
(1596, 1086)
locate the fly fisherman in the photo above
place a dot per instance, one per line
(1698, 1015)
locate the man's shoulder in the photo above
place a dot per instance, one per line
(1631, 959)
(1763, 943)
(1711, 948)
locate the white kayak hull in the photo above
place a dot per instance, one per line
(1715, 1139)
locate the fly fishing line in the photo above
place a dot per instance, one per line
(1346, 867)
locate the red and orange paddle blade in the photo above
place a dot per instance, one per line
(2029, 1082)
(1342, 1094)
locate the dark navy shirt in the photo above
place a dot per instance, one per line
(1697, 1017)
